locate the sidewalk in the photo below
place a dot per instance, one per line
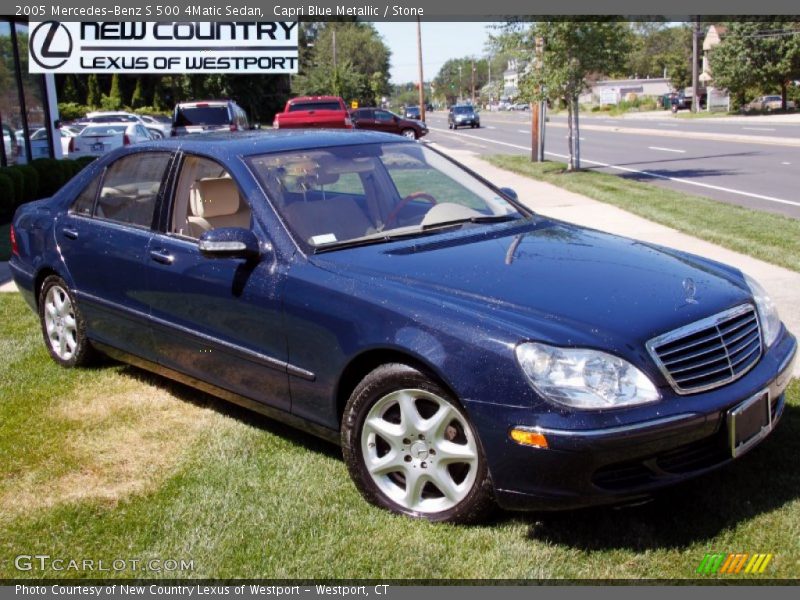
(546, 199)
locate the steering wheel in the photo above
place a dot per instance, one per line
(390, 220)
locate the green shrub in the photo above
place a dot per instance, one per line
(51, 176)
(31, 185)
(7, 200)
(83, 161)
(18, 179)
(70, 111)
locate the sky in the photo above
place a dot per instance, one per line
(440, 42)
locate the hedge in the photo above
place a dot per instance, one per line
(7, 198)
(40, 179)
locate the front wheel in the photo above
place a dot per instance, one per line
(63, 327)
(410, 448)
(409, 133)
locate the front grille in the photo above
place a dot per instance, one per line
(709, 353)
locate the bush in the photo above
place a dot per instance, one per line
(51, 176)
(70, 111)
(7, 200)
(31, 182)
(18, 179)
(83, 161)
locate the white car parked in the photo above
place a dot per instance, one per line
(96, 140)
(159, 130)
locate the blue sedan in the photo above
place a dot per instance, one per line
(464, 351)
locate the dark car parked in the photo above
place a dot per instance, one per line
(462, 350)
(378, 119)
(462, 115)
(412, 112)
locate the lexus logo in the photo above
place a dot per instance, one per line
(50, 44)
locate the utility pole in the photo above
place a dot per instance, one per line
(334, 47)
(538, 109)
(421, 80)
(473, 82)
(695, 86)
(460, 83)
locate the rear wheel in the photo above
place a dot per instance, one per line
(63, 327)
(410, 448)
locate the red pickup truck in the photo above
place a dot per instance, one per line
(329, 112)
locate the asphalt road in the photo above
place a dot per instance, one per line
(749, 172)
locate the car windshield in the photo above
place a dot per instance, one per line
(99, 131)
(355, 195)
(201, 115)
(299, 106)
(462, 110)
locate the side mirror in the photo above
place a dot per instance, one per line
(509, 192)
(229, 242)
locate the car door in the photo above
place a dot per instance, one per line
(216, 319)
(104, 239)
(386, 122)
(363, 118)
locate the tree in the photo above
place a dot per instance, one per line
(93, 96)
(113, 100)
(137, 98)
(358, 70)
(454, 79)
(570, 52)
(757, 54)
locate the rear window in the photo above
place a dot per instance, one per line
(112, 118)
(103, 130)
(314, 106)
(202, 115)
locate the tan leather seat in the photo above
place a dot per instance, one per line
(214, 202)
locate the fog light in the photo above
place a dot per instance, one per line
(525, 437)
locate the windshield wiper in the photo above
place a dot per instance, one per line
(476, 219)
(381, 238)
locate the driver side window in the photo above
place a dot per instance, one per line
(206, 198)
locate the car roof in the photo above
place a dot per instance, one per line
(196, 103)
(225, 144)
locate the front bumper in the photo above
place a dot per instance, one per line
(625, 462)
(464, 122)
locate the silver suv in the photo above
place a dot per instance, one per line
(208, 115)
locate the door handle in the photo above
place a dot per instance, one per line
(70, 233)
(162, 256)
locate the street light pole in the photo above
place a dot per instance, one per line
(695, 85)
(460, 83)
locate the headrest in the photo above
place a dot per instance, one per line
(214, 197)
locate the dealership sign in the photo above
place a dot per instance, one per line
(163, 47)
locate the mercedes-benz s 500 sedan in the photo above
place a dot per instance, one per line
(463, 350)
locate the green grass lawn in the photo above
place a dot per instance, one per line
(112, 462)
(769, 237)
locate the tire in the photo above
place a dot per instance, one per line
(399, 424)
(63, 326)
(409, 133)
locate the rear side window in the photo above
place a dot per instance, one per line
(202, 115)
(130, 188)
(314, 106)
(84, 203)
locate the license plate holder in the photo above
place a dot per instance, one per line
(749, 423)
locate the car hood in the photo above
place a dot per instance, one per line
(549, 276)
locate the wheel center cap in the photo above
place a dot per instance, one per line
(419, 450)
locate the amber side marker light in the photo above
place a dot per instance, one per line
(525, 437)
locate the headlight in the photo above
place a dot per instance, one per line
(767, 312)
(582, 378)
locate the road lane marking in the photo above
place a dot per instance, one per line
(668, 124)
(786, 163)
(759, 128)
(648, 173)
(489, 127)
(523, 130)
(667, 149)
(681, 180)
